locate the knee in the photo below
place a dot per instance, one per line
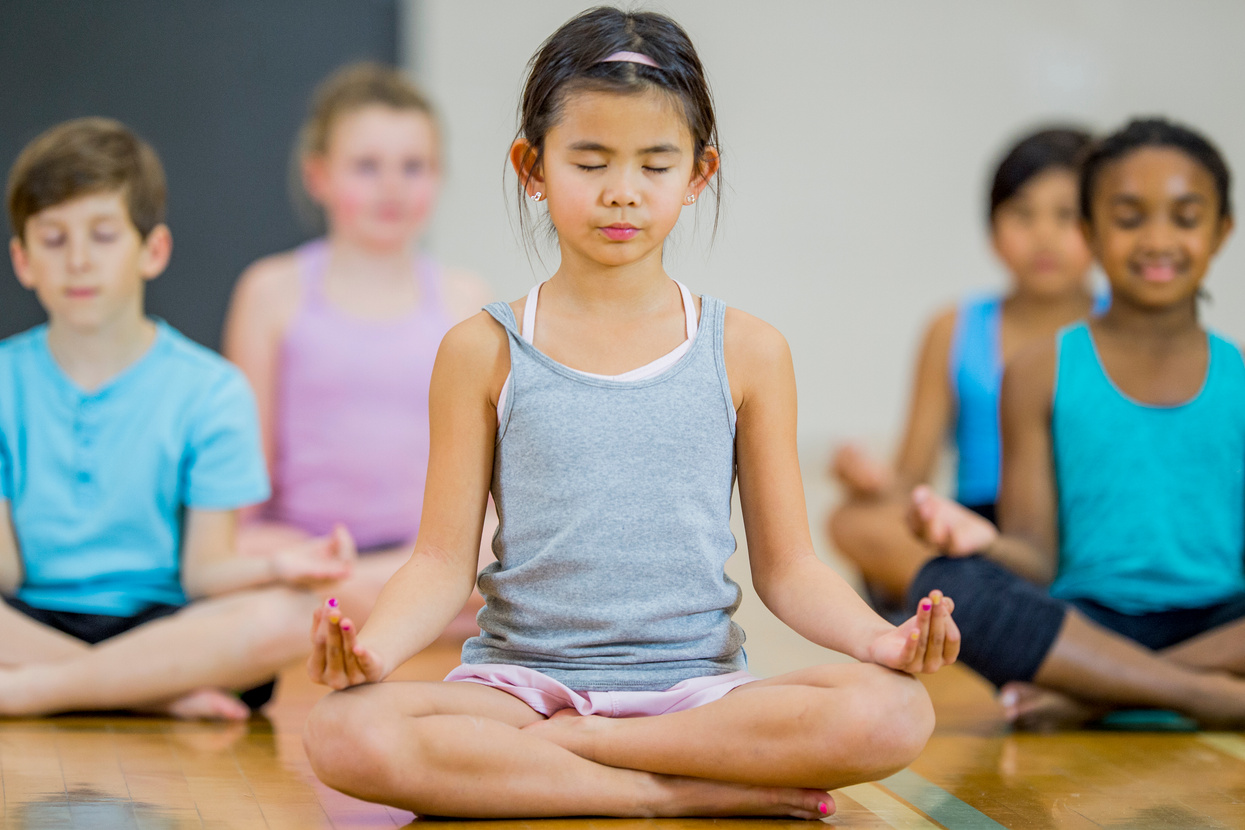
(891, 719)
(341, 737)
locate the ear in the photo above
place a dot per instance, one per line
(710, 162)
(1222, 233)
(315, 176)
(21, 262)
(155, 253)
(523, 157)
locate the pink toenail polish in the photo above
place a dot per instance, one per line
(332, 602)
(821, 805)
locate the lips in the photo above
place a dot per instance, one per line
(1158, 272)
(81, 293)
(620, 233)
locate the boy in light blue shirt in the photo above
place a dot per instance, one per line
(126, 451)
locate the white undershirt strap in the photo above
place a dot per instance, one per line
(648, 370)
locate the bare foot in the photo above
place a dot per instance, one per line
(947, 525)
(569, 730)
(679, 796)
(1037, 709)
(859, 472)
(204, 704)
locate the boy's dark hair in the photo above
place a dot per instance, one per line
(1052, 148)
(1155, 132)
(570, 61)
(83, 157)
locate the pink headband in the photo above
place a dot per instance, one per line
(630, 57)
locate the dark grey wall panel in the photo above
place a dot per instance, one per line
(219, 88)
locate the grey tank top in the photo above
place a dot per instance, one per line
(614, 500)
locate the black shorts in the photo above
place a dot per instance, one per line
(985, 511)
(1009, 624)
(95, 628)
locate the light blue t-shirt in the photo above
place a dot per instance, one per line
(1151, 498)
(98, 482)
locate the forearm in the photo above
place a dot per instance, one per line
(415, 606)
(224, 576)
(820, 606)
(1023, 558)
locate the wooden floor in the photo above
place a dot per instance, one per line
(107, 772)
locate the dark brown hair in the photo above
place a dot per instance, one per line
(1155, 132)
(570, 61)
(82, 157)
(1054, 148)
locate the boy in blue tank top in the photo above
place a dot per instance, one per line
(125, 452)
(1119, 578)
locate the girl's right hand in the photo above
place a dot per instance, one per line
(952, 528)
(337, 659)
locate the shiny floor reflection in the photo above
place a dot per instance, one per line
(120, 772)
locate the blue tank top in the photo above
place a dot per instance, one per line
(614, 503)
(976, 368)
(1151, 498)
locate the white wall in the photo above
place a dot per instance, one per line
(857, 141)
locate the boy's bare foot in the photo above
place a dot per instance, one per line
(1036, 709)
(859, 472)
(204, 704)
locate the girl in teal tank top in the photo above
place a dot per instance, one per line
(1119, 577)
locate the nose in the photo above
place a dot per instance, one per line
(622, 187)
(78, 251)
(1158, 235)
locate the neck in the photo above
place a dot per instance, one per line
(1142, 324)
(1050, 303)
(591, 285)
(92, 357)
(370, 262)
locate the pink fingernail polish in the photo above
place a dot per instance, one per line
(925, 605)
(332, 602)
(345, 626)
(821, 805)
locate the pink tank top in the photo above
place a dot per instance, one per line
(352, 411)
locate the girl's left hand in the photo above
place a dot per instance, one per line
(925, 643)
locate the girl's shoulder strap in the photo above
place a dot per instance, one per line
(975, 337)
(313, 261)
(504, 314)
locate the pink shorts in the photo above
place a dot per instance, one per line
(546, 695)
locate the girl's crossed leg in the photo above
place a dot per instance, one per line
(771, 747)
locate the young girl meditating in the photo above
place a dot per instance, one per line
(1035, 234)
(610, 412)
(338, 336)
(1118, 580)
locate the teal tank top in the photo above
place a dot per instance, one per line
(1151, 498)
(976, 370)
(614, 503)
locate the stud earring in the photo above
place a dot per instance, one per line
(691, 199)
(537, 196)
